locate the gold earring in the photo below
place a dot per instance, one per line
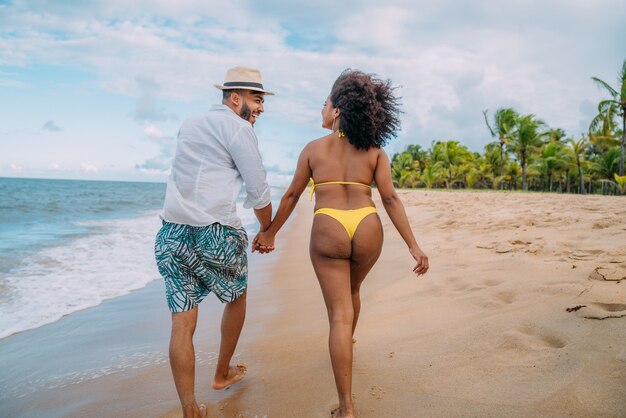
(341, 133)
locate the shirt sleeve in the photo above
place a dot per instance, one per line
(244, 149)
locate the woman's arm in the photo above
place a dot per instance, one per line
(395, 209)
(265, 240)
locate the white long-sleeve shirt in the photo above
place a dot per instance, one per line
(217, 151)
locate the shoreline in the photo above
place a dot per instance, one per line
(485, 333)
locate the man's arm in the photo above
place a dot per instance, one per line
(244, 151)
(264, 215)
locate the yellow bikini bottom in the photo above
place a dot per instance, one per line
(349, 218)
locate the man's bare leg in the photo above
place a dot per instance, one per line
(232, 323)
(183, 361)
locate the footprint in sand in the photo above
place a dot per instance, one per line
(585, 255)
(456, 284)
(505, 297)
(606, 223)
(377, 393)
(491, 282)
(616, 257)
(447, 224)
(599, 310)
(496, 301)
(519, 242)
(531, 338)
(525, 246)
(513, 246)
(503, 248)
(608, 274)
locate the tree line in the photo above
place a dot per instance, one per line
(527, 154)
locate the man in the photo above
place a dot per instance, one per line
(202, 245)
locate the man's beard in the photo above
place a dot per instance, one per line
(245, 112)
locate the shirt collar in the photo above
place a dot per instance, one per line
(224, 108)
(221, 107)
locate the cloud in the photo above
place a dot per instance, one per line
(161, 163)
(452, 59)
(152, 131)
(50, 126)
(12, 83)
(88, 168)
(378, 29)
(147, 107)
(15, 167)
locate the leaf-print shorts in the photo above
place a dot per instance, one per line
(195, 261)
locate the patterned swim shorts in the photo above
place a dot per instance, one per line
(195, 261)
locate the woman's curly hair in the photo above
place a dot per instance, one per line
(370, 113)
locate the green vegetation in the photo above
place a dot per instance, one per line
(526, 154)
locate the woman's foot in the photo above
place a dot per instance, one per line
(337, 413)
(235, 374)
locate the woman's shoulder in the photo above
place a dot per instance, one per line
(324, 139)
(375, 152)
(318, 142)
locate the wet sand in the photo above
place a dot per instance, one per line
(523, 313)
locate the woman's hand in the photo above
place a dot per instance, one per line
(422, 261)
(263, 242)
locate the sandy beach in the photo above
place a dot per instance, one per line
(523, 313)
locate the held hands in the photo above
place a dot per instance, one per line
(263, 242)
(422, 261)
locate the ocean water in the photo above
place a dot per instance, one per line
(67, 245)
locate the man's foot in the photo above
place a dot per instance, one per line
(235, 374)
(336, 413)
(195, 411)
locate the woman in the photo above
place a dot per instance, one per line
(347, 235)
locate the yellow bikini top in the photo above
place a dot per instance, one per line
(313, 186)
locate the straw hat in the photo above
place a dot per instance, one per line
(243, 78)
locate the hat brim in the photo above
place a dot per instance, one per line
(222, 87)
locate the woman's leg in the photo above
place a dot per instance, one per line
(329, 251)
(367, 243)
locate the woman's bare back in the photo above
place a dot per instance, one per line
(335, 159)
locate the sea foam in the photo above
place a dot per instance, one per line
(115, 260)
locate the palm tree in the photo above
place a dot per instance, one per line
(496, 162)
(524, 140)
(417, 153)
(433, 174)
(513, 171)
(607, 164)
(472, 177)
(577, 150)
(504, 122)
(448, 156)
(404, 169)
(603, 128)
(621, 183)
(617, 105)
(409, 178)
(551, 159)
(555, 135)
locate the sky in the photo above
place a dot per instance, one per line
(98, 89)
